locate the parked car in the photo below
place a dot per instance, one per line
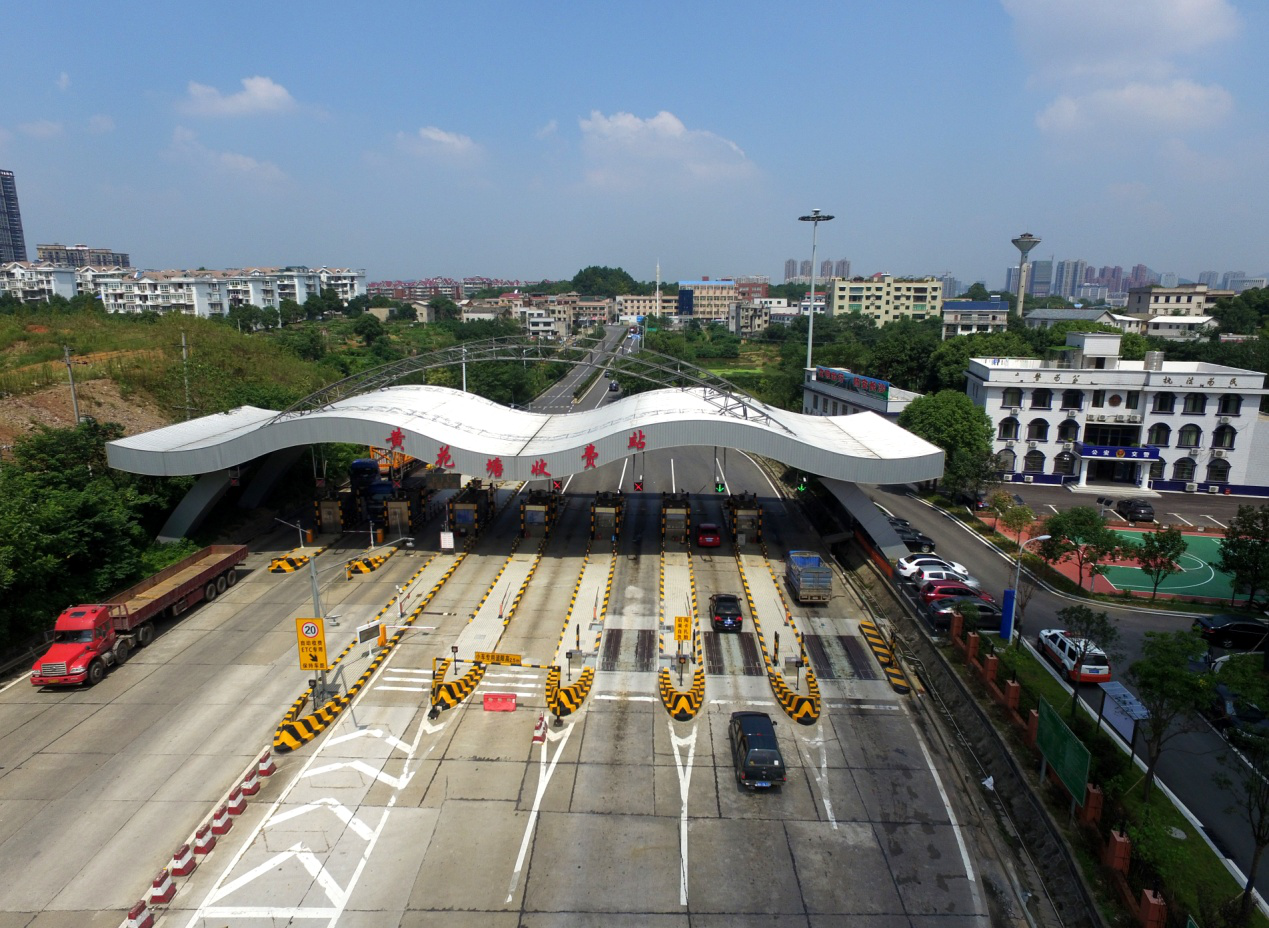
(708, 535)
(1066, 650)
(940, 611)
(725, 612)
(1135, 510)
(1234, 632)
(897, 522)
(1235, 717)
(914, 540)
(941, 589)
(755, 752)
(909, 565)
(928, 573)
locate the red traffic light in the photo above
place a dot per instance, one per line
(557, 485)
(638, 486)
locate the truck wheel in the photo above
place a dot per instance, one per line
(209, 592)
(231, 577)
(145, 635)
(96, 670)
(221, 583)
(122, 650)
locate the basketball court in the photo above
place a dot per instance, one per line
(1198, 578)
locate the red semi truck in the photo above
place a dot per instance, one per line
(88, 639)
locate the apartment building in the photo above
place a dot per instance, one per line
(82, 256)
(629, 307)
(971, 317)
(707, 300)
(34, 282)
(1182, 300)
(1086, 415)
(212, 293)
(884, 298)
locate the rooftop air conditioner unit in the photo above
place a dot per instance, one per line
(1191, 487)
(1213, 488)
(1031, 444)
(1009, 443)
(1218, 452)
(1134, 418)
(1028, 479)
(1192, 452)
(1224, 420)
(1101, 418)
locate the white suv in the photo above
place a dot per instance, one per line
(1064, 650)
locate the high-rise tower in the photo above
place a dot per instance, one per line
(12, 241)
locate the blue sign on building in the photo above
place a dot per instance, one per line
(1117, 452)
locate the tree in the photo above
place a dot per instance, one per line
(1245, 550)
(606, 282)
(368, 328)
(1080, 532)
(951, 421)
(444, 309)
(1018, 519)
(1089, 630)
(1000, 502)
(1158, 554)
(1169, 690)
(290, 311)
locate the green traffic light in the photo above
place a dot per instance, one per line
(720, 487)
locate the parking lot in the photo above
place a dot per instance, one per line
(1196, 510)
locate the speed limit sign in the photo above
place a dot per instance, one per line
(310, 635)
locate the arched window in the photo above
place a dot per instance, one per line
(1156, 469)
(1195, 404)
(1042, 399)
(1072, 399)
(1033, 463)
(1189, 437)
(1231, 404)
(1008, 429)
(1012, 396)
(1038, 430)
(1218, 471)
(1007, 461)
(1069, 431)
(1160, 435)
(1223, 436)
(1183, 469)
(1164, 402)
(1064, 463)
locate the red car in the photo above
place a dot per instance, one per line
(941, 589)
(708, 535)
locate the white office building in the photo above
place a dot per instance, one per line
(835, 391)
(1089, 417)
(35, 282)
(213, 293)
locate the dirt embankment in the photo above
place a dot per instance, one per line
(101, 399)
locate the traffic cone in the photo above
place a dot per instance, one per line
(266, 767)
(237, 802)
(139, 917)
(204, 840)
(183, 862)
(221, 822)
(162, 889)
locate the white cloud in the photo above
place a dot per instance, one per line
(185, 145)
(547, 131)
(1110, 41)
(258, 95)
(431, 141)
(101, 124)
(41, 129)
(1176, 106)
(624, 151)
(63, 81)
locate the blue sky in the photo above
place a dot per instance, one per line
(528, 140)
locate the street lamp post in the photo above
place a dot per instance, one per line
(1024, 243)
(1017, 578)
(814, 219)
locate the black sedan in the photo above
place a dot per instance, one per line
(1234, 632)
(1236, 717)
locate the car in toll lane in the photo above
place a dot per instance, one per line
(725, 612)
(1078, 659)
(708, 535)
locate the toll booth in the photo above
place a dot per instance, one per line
(539, 511)
(676, 516)
(404, 512)
(334, 513)
(606, 513)
(744, 516)
(472, 508)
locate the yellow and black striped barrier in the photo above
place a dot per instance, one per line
(295, 731)
(805, 710)
(682, 706)
(885, 657)
(294, 560)
(367, 563)
(565, 700)
(446, 694)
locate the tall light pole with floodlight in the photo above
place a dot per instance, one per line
(1024, 243)
(814, 219)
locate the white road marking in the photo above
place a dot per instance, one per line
(685, 782)
(1051, 506)
(673, 488)
(362, 767)
(545, 772)
(622, 479)
(617, 697)
(22, 678)
(721, 474)
(1210, 519)
(1183, 519)
(774, 491)
(404, 689)
(337, 808)
(820, 775)
(951, 817)
(373, 733)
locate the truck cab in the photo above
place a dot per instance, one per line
(84, 643)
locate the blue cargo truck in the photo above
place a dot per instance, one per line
(809, 579)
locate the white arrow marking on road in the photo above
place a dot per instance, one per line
(544, 777)
(685, 782)
(371, 733)
(821, 775)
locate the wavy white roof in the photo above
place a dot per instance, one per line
(433, 420)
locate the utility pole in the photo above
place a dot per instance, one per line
(70, 372)
(185, 371)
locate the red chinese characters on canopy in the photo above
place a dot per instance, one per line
(397, 439)
(637, 440)
(443, 458)
(493, 468)
(539, 468)
(591, 455)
